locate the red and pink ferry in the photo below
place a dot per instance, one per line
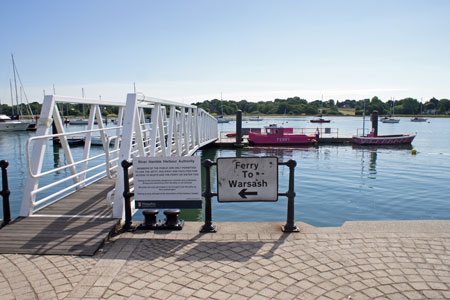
(275, 135)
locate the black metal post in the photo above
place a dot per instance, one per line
(208, 226)
(374, 119)
(290, 223)
(238, 127)
(128, 226)
(5, 193)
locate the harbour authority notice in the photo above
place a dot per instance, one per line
(167, 182)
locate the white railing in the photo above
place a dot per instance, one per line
(175, 129)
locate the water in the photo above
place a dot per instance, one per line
(334, 184)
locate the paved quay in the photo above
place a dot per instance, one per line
(360, 260)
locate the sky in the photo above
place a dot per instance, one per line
(257, 50)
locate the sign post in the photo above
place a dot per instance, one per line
(247, 179)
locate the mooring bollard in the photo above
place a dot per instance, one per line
(208, 226)
(128, 226)
(150, 218)
(5, 193)
(172, 222)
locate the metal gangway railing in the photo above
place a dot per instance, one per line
(175, 129)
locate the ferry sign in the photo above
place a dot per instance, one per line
(246, 179)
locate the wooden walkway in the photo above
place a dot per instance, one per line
(78, 224)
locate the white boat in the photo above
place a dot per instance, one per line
(258, 118)
(6, 124)
(418, 119)
(389, 120)
(18, 118)
(221, 119)
(79, 122)
(97, 140)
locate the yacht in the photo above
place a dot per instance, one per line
(6, 124)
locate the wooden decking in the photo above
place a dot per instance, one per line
(75, 225)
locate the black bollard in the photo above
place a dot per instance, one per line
(128, 226)
(208, 226)
(290, 224)
(5, 193)
(150, 219)
(172, 222)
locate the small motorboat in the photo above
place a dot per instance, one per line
(221, 119)
(277, 135)
(418, 119)
(389, 120)
(319, 120)
(258, 118)
(79, 122)
(371, 139)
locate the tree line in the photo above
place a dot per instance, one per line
(299, 106)
(290, 106)
(66, 109)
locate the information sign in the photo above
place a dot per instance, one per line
(167, 182)
(245, 179)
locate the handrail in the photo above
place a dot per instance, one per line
(67, 179)
(35, 203)
(27, 148)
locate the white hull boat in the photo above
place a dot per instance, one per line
(6, 124)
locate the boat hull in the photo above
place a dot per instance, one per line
(319, 121)
(286, 139)
(418, 120)
(13, 126)
(390, 120)
(384, 140)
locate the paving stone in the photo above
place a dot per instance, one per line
(339, 265)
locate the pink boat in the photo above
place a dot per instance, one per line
(371, 139)
(275, 135)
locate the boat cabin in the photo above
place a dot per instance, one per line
(275, 130)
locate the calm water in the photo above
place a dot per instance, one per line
(334, 184)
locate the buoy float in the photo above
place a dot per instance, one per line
(413, 151)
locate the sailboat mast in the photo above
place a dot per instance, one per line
(12, 97)
(15, 84)
(82, 95)
(221, 104)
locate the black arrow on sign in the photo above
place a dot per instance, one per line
(243, 193)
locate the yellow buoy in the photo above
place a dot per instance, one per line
(413, 151)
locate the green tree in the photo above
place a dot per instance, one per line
(444, 106)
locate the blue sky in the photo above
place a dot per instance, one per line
(255, 50)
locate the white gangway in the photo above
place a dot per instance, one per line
(175, 129)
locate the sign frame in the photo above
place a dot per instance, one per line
(243, 193)
(170, 167)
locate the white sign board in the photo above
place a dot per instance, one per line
(167, 179)
(241, 179)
